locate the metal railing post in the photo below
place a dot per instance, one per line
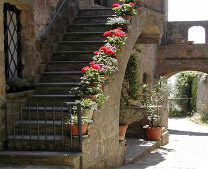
(79, 113)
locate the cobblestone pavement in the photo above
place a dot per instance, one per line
(188, 149)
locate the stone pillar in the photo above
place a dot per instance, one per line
(2, 70)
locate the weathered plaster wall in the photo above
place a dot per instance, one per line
(156, 5)
(177, 32)
(176, 58)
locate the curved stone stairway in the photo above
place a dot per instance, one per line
(84, 36)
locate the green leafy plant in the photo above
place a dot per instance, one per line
(100, 99)
(119, 21)
(156, 97)
(185, 89)
(73, 119)
(127, 1)
(86, 103)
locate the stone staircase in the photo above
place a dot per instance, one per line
(44, 122)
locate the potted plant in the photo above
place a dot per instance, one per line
(153, 129)
(156, 99)
(72, 122)
(122, 131)
(116, 37)
(125, 10)
(87, 107)
(118, 21)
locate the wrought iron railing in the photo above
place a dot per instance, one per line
(33, 126)
(44, 34)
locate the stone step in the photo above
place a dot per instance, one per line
(96, 11)
(85, 36)
(69, 159)
(80, 45)
(66, 65)
(91, 19)
(62, 76)
(101, 27)
(44, 112)
(73, 55)
(43, 127)
(55, 88)
(38, 98)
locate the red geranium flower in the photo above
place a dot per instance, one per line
(107, 33)
(96, 52)
(132, 4)
(103, 48)
(96, 66)
(115, 5)
(109, 51)
(84, 69)
(117, 34)
(92, 63)
(119, 28)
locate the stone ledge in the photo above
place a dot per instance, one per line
(71, 159)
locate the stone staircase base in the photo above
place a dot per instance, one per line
(67, 160)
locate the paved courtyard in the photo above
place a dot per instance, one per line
(187, 149)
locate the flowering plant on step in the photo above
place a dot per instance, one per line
(116, 36)
(124, 9)
(92, 74)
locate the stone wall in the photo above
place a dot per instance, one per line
(156, 5)
(202, 93)
(102, 146)
(175, 58)
(177, 32)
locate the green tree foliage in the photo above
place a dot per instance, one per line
(186, 88)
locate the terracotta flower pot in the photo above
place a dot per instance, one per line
(104, 77)
(96, 84)
(90, 97)
(75, 130)
(88, 113)
(153, 133)
(122, 131)
(127, 17)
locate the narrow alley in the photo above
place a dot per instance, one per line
(186, 150)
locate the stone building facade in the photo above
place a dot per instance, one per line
(102, 148)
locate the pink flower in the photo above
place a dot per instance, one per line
(115, 5)
(96, 52)
(84, 69)
(107, 33)
(119, 28)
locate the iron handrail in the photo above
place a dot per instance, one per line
(19, 114)
(44, 34)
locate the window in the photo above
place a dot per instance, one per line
(196, 34)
